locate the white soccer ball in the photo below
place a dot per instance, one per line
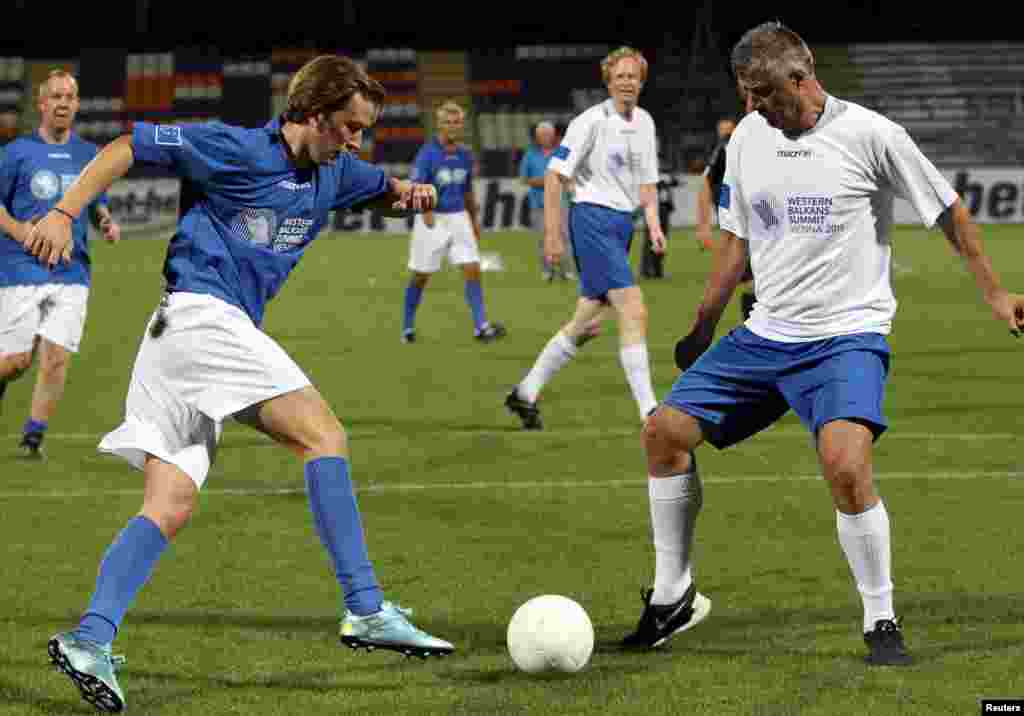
(550, 633)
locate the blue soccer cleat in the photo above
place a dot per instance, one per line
(391, 629)
(91, 666)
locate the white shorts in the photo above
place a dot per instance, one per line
(210, 362)
(452, 238)
(55, 311)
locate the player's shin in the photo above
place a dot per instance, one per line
(636, 366)
(675, 502)
(474, 294)
(865, 541)
(556, 354)
(336, 516)
(413, 296)
(125, 568)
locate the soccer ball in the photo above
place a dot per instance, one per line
(550, 633)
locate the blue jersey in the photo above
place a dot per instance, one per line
(533, 165)
(34, 175)
(451, 174)
(246, 211)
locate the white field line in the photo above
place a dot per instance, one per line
(638, 483)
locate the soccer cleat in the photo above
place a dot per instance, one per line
(528, 412)
(31, 446)
(408, 336)
(391, 629)
(658, 622)
(91, 667)
(885, 644)
(547, 276)
(491, 332)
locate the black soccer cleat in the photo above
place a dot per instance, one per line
(408, 336)
(885, 644)
(658, 622)
(492, 332)
(31, 446)
(528, 412)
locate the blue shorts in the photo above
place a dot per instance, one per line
(600, 242)
(744, 383)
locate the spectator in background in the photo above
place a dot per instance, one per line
(707, 201)
(531, 169)
(652, 263)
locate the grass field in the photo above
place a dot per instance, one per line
(467, 516)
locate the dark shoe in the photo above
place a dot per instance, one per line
(885, 644)
(408, 336)
(31, 446)
(658, 622)
(491, 333)
(528, 412)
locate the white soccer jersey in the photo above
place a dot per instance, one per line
(817, 212)
(608, 157)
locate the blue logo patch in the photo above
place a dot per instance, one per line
(562, 152)
(724, 196)
(168, 135)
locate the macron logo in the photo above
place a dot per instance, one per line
(794, 153)
(168, 135)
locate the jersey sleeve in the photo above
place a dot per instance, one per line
(359, 182)
(195, 151)
(575, 146)
(422, 168)
(732, 209)
(913, 176)
(649, 169)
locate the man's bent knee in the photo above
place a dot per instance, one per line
(669, 436)
(14, 365)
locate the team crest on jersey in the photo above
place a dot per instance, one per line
(45, 185)
(770, 213)
(168, 135)
(447, 176)
(257, 226)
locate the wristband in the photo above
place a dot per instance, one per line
(61, 211)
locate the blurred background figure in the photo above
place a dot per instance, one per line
(531, 170)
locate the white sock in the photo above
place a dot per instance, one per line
(558, 351)
(675, 503)
(638, 374)
(865, 541)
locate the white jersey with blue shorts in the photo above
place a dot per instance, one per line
(816, 210)
(609, 158)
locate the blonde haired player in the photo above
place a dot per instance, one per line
(451, 231)
(609, 153)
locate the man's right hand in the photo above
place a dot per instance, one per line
(553, 249)
(50, 239)
(692, 346)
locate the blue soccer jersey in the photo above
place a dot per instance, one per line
(34, 175)
(451, 174)
(247, 212)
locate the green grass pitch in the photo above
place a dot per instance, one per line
(467, 516)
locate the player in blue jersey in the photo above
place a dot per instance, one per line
(452, 229)
(251, 202)
(42, 313)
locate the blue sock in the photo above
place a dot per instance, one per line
(413, 294)
(35, 426)
(336, 516)
(125, 568)
(475, 300)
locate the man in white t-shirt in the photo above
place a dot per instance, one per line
(610, 157)
(808, 196)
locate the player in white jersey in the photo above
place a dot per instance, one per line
(609, 154)
(808, 196)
